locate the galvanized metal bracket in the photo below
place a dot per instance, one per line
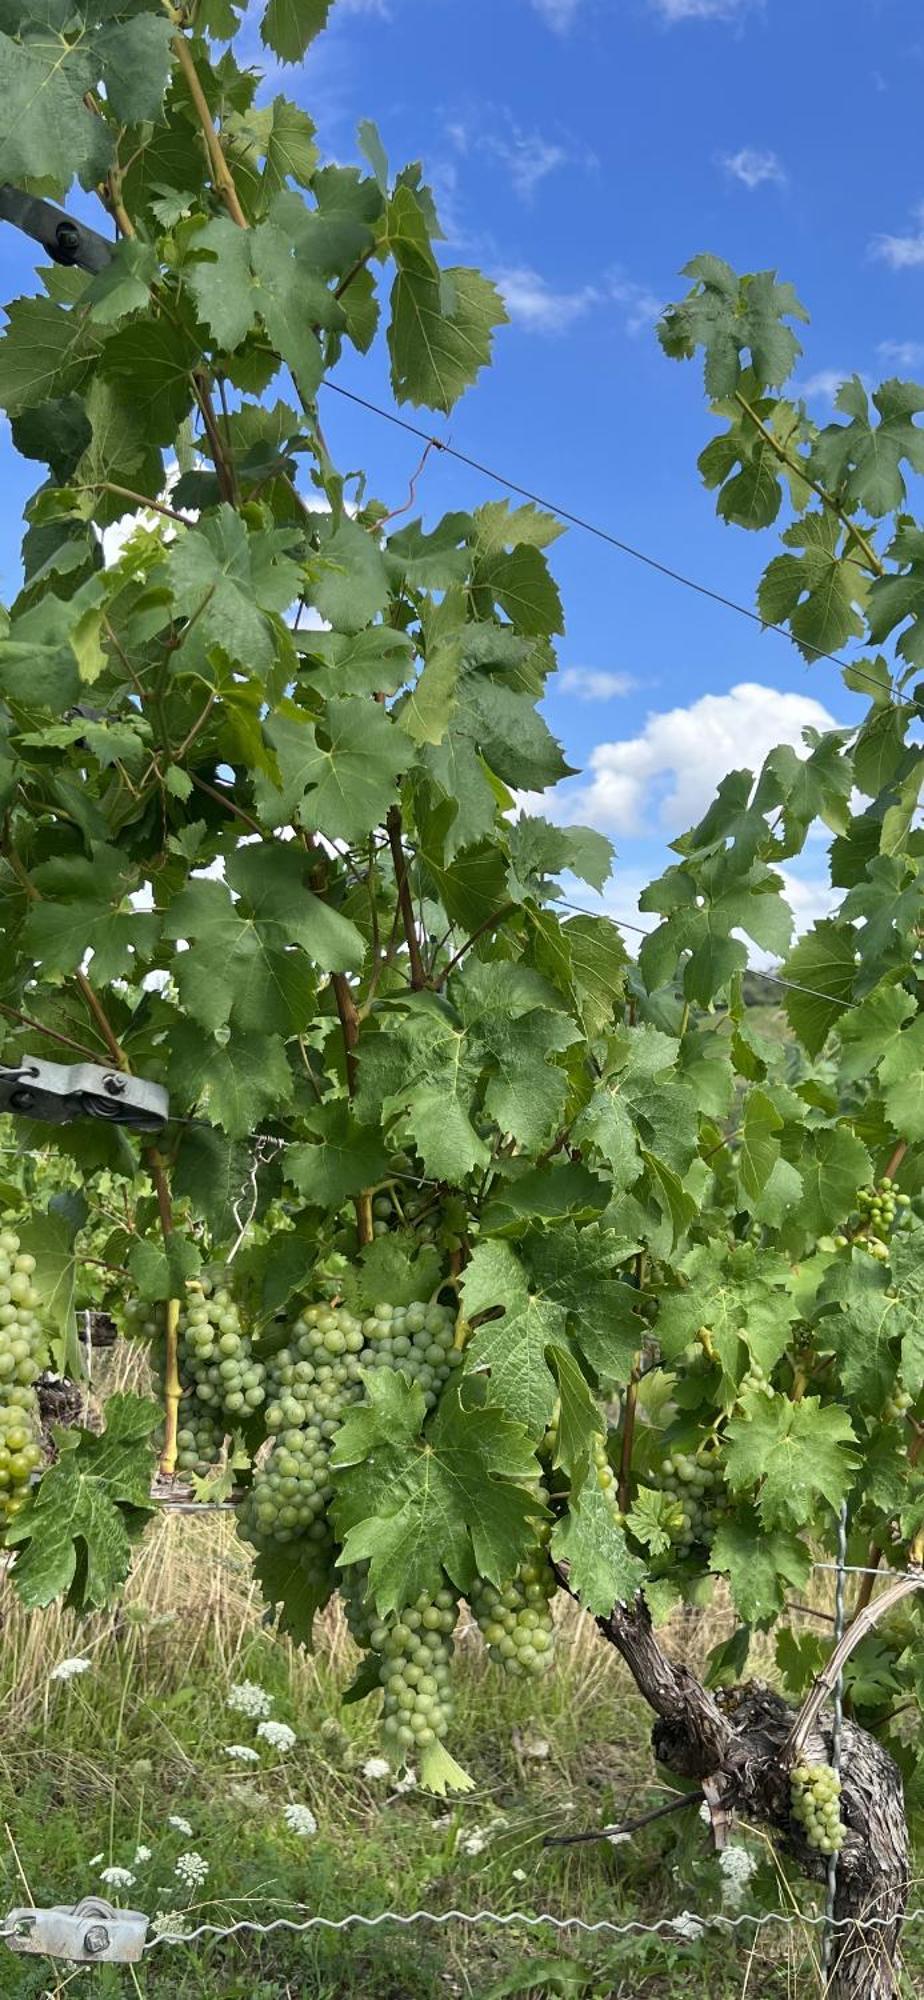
(58, 1094)
(92, 1933)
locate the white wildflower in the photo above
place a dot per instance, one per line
(688, 1926)
(300, 1820)
(244, 1753)
(117, 1878)
(376, 1767)
(192, 1869)
(169, 1924)
(142, 1854)
(474, 1843)
(442, 1820)
(247, 1698)
(737, 1865)
(519, 1874)
(618, 1839)
(95, 1860)
(278, 1735)
(67, 1670)
(407, 1781)
(705, 1813)
(179, 1825)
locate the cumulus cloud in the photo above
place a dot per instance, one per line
(669, 772)
(753, 167)
(902, 253)
(901, 353)
(592, 684)
(534, 304)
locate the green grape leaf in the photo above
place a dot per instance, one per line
(796, 1454)
(601, 1570)
(863, 461)
(238, 1084)
(580, 1418)
(49, 1238)
(289, 25)
(513, 1349)
(442, 321)
(761, 1566)
(231, 580)
(824, 964)
(901, 1074)
(458, 1501)
(162, 1271)
(817, 592)
(728, 315)
(134, 60)
(45, 352)
(296, 1585)
(338, 777)
(344, 1157)
(76, 1531)
(49, 134)
(349, 581)
(833, 1165)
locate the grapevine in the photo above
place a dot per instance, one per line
(499, 1182)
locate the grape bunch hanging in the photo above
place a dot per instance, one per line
(23, 1355)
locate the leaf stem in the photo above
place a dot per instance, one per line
(66, 1041)
(222, 177)
(821, 492)
(405, 901)
(490, 923)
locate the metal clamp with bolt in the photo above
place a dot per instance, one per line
(58, 1094)
(92, 1933)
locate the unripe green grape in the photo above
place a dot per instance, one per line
(815, 1791)
(516, 1621)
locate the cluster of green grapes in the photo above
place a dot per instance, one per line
(310, 1380)
(217, 1363)
(606, 1478)
(756, 1383)
(418, 1340)
(695, 1481)
(414, 1650)
(200, 1438)
(291, 1491)
(897, 1406)
(516, 1621)
(881, 1209)
(815, 1795)
(23, 1354)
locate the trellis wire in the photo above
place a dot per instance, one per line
(688, 1924)
(840, 1616)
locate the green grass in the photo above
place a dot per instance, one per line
(96, 1766)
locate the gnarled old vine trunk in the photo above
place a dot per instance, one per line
(739, 1739)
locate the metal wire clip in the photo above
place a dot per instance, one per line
(92, 1933)
(58, 1094)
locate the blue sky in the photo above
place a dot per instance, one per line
(583, 150)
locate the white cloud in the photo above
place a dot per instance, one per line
(532, 303)
(903, 253)
(753, 167)
(809, 898)
(823, 385)
(560, 15)
(902, 353)
(642, 307)
(591, 684)
(528, 157)
(699, 10)
(669, 772)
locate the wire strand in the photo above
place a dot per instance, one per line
(687, 1923)
(592, 528)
